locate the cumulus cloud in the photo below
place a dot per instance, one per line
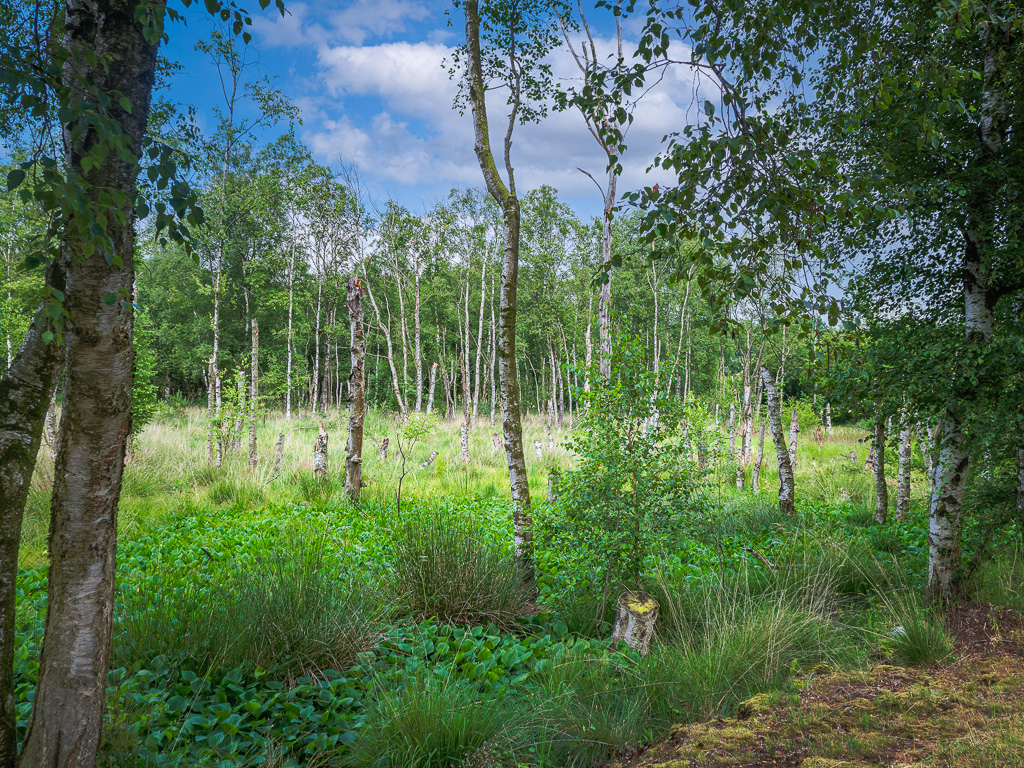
(386, 106)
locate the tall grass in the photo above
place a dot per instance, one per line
(291, 612)
(430, 723)
(442, 569)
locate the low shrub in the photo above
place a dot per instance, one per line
(443, 570)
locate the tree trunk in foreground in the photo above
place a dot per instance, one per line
(787, 492)
(26, 392)
(67, 712)
(511, 419)
(756, 479)
(356, 391)
(881, 489)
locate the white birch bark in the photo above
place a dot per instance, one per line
(787, 491)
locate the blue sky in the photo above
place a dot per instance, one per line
(368, 79)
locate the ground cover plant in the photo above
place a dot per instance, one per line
(251, 630)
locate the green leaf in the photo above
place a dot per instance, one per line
(14, 178)
(109, 299)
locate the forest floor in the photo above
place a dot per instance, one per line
(965, 712)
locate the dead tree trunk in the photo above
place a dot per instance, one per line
(356, 390)
(787, 491)
(320, 467)
(430, 389)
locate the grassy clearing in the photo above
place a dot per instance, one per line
(262, 620)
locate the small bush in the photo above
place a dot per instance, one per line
(431, 723)
(443, 570)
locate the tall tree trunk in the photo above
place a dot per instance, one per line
(254, 408)
(26, 391)
(588, 342)
(288, 384)
(494, 357)
(386, 330)
(67, 711)
(881, 489)
(356, 390)
(479, 340)
(756, 476)
(903, 478)
(430, 389)
(794, 430)
(511, 418)
(787, 491)
(418, 340)
(315, 394)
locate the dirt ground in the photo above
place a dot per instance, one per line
(967, 712)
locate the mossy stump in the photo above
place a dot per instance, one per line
(635, 617)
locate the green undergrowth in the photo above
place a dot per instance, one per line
(319, 634)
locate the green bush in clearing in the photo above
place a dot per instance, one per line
(916, 635)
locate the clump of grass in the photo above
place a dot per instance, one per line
(314, 490)
(235, 493)
(916, 635)
(586, 709)
(290, 612)
(443, 570)
(998, 581)
(431, 723)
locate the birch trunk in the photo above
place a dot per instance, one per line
(903, 479)
(881, 489)
(254, 394)
(787, 497)
(26, 391)
(356, 390)
(794, 430)
(430, 389)
(506, 197)
(418, 340)
(67, 710)
(320, 466)
(315, 394)
(479, 342)
(756, 476)
(288, 380)
(386, 330)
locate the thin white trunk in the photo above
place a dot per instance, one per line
(903, 477)
(881, 488)
(787, 497)
(288, 381)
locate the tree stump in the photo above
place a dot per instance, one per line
(635, 617)
(320, 454)
(384, 448)
(551, 442)
(538, 446)
(853, 457)
(496, 441)
(428, 462)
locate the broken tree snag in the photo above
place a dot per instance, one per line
(465, 443)
(278, 454)
(552, 485)
(428, 462)
(538, 447)
(356, 390)
(828, 418)
(635, 616)
(819, 437)
(881, 489)
(384, 448)
(787, 493)
(496, 442)
(320, 454)
(551, 442)
(853, 457)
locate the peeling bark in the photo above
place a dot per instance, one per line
(903, 473)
